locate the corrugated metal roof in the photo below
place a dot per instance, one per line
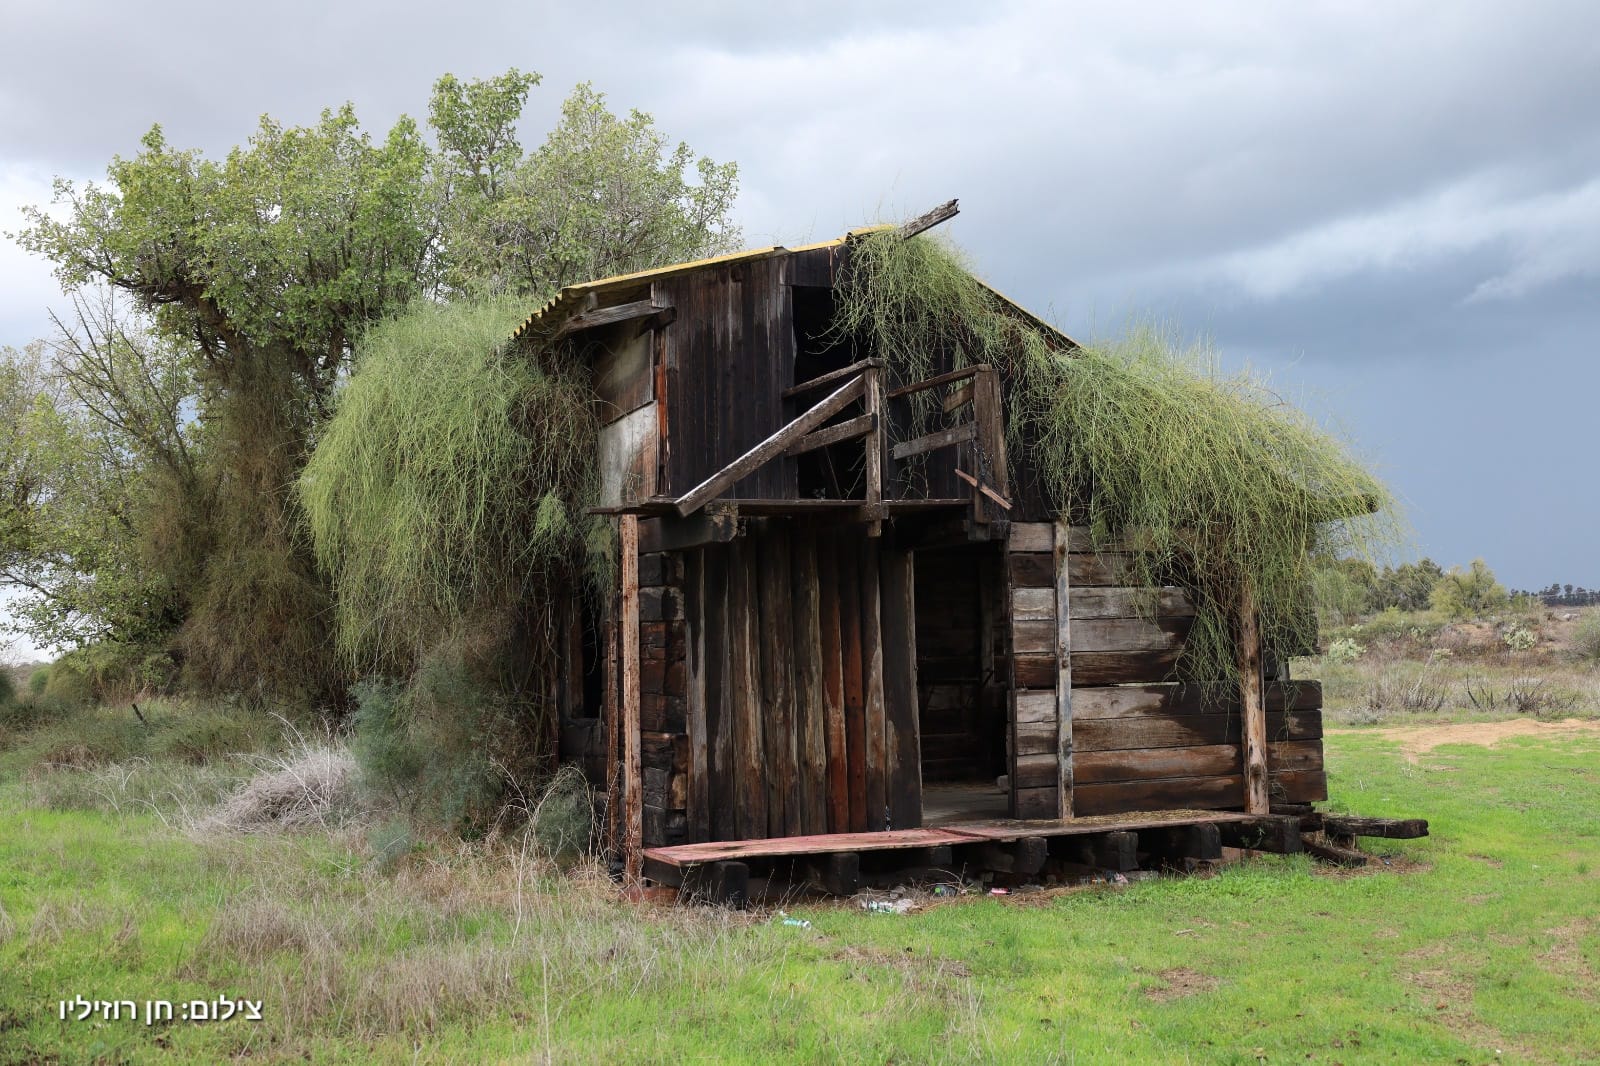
(569, 299)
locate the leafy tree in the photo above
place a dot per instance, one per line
(1344, 589)
(603, 195)
(149, 477)
(101, 478)
(1469, 593)
(1408, 586)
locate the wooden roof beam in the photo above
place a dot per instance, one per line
(927, 221)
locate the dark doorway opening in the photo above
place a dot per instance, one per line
(961, 693)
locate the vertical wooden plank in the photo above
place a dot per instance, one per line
(833, 712)
(877, 733)
(900, 690)
(1252, 707)
(612, 708)
(664, 411)
(719, 628)
(776, 623)
(849, 577)
(633, 785)
(1003, 621)
(809, 709)
(750, 787)
(698, 812)
(874, 445)
(1063, 669)
(990, 414)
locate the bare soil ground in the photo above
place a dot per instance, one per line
(1418, 740)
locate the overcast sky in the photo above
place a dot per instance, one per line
(1392, 208)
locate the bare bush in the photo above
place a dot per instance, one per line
(1388, 690)
(1521, 695)
(310, 786)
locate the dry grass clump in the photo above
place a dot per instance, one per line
(313, 786)
(454, 933)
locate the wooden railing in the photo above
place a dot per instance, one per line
(981, 436)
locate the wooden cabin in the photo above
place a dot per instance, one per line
(834, 617)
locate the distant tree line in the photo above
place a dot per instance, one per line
(1347, 589)
(1568, 595)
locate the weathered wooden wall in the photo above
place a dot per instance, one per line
(1137, 739)
(724, 363)
(778, 687)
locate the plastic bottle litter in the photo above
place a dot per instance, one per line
(798, 923)
(999, 892)
(884, 906)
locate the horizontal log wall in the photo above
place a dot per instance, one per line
(663, 699)
(1140, 741)
(1030, 630)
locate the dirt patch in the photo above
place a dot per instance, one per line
(907, 961)
(1179, 983)
(1416, 741)
(1566, 958)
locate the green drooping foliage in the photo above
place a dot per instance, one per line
(1228, 490)
(451, 480)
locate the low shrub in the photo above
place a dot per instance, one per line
(1518, 638)
(561, 822)
(1585, 646)
(1344, 650)
(38, 680)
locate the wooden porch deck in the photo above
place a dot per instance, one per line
(1020, 849)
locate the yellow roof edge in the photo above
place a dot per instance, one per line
(571, 293)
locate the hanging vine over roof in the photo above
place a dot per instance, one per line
(452, 478)
(1232, 488)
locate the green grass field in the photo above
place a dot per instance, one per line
(1479, 944)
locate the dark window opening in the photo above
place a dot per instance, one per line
(839, 471)
(593, 660)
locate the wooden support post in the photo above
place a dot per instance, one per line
(1117, 850)
(838, 874)
(1334, 853)
(727, 883)
(1252, 707)
(1063, 668)
(1273, 833)
(633, 774)
(1199, 841)
(874, 445)
(1023, 857)
(991, 417)
(1392, 828)
(614, 761)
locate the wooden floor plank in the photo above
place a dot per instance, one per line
(1000, 829)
